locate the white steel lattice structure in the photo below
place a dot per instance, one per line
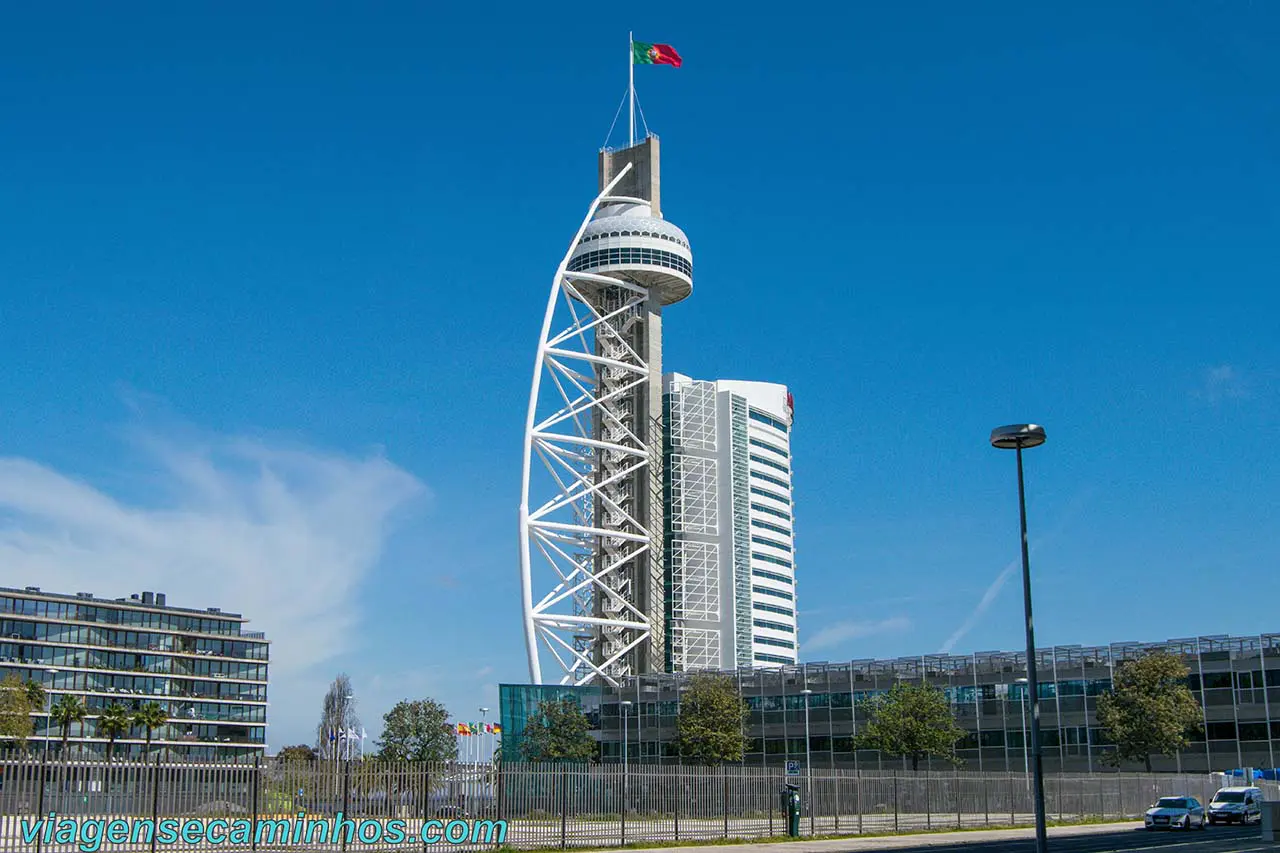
(591, 501)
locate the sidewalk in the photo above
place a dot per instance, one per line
(854, 844)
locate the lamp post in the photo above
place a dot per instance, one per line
(625, 707)
(480, 744)
(1022, 704)
(808, 765)
(48, 711)
(1018, 437)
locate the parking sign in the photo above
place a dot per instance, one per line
(793, 768)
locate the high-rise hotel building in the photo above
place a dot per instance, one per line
(729, 528)
(200, 666)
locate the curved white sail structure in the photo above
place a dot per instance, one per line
(582, 533)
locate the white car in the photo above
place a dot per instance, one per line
(1180, 812)
(1236, 805)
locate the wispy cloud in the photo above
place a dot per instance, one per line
(283, 535)
(839, 632)
(993, 590)
(1223, 382)
(987, 597)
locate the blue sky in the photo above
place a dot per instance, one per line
(273, 279)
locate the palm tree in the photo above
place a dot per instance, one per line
(113, 722)
(35, 694)
(150, 717)
(67, 710)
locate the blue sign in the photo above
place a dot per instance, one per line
(793, 768)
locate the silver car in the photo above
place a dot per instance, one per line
(1180, 812)
(1236, 805)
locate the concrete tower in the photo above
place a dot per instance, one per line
(591, 517)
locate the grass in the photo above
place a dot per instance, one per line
(785, 839)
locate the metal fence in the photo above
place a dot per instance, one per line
(544, 805)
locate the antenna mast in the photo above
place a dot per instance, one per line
(631, 89)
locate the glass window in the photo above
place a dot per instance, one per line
(761, 417)
(773, 576)
(777, 561)
(776, 593)
(764, 445)
(770, 510)
(755, 522)
(772, 480)
(761, 656)
(772, 543)
(765, 493)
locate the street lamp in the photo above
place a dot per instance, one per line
(1018, 437)
(480, 744)
(1022, 703)
(625, 707)
(48, 711)
(808, 765)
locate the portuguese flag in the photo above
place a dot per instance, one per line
(654, 54)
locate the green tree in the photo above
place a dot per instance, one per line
(1149, 710)
(67, 710)
(912, 720)
(417, 731)
(114, 721)
(711, 720)
(15, 712)
(300, 752)
(558, 731)
(35, 694)
(149, 718)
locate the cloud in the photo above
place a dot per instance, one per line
(283, 535)
(1073, 508)
(987, 597)
(839, 632)
(1220, 383)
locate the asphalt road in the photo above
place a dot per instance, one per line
(1215, 839)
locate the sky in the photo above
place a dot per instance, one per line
(272, 276)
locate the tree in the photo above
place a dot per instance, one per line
(912, 720)
(300, 752)
(417, 731)
(149, 718)
(558, 731)
(114, 721)
(15, 712)
(1149, 710)
(35, 694)
(712, 716)
(67, 710)
(336, 717)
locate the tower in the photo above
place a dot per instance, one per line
(591, 552)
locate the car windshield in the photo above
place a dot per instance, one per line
(1171, 803)
(1229, 797)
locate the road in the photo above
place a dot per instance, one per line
(1115, 838)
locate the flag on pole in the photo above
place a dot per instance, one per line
(497, 728)
(643, 53)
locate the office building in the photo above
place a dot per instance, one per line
(1236, 680)
(201, 666)
(729, 550)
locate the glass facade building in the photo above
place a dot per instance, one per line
(1236, 680)
(201, 666)
(729, 536)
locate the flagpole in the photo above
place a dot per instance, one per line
(631, 89)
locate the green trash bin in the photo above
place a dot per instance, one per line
(791, 808)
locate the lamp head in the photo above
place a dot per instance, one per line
(1016, 436)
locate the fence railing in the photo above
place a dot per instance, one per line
(544, 805)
